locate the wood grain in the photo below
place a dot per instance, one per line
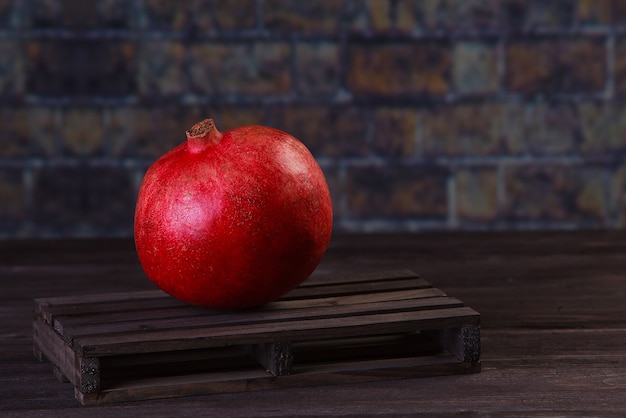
(553, 327)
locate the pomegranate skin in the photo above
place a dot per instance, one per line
(232, 220)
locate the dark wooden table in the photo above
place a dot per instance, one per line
(553, 308)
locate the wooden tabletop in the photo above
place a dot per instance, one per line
(553, 318)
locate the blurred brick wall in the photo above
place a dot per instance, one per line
(425, 114)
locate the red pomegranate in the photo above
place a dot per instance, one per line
(232, 220)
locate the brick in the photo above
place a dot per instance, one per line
(44, 14)
(119, 131)
(161, 69)
(48, 69)
(59, 199)
(475, 68)
(80, 68)
(7, 13)
(435, 16)
(233, 14)
(115, 14)
(618, 13)
(326, 131)
(14, 133)
(200, 16)
(33, 131)
(551, 129)
(619, 66)
(79, 14)
(477, 194)
(416, 17)
(72, 201)
(158, 14)
(465, 130)
(541, 129)
(13, 209)
(158, 131)
(69, 14)
(382, 15)
(231, 117)
(419, 68)
(603, 128)
(617, 206)
(616, 198)
(472, 15)
(396, 192)
(394, 132)
(110, 69)
(307, 123)
(356, 17)
(538, 14)
(82, 132)
(144, 127)
(510, 126)
(318, 68)
(591, 195)
(260, 68)
(42, 125)
(594, 12)
(322, 16)
(110, 200)
(553, 66)
(12, 80)
(556, 194)
(76, 15)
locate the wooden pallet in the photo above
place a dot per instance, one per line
(146, 345)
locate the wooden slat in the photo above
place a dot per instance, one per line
(254, 380)
(48, 308)
(279, 318)
(101, 316)
(356, 299)
(391, 281)
(102, 345)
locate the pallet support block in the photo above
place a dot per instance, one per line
(358, 328)
(276, 357)
(89, 374)
(463, 343)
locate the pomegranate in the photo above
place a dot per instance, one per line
(232, 220)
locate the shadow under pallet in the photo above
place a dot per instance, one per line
(358, 328)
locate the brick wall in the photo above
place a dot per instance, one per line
(425, 114)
